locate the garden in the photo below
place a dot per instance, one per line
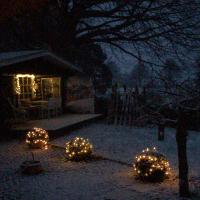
(98, 161)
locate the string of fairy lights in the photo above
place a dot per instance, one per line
(37, 138)
(151, 165)
(17, 83)
(78, 149)
(148, 165)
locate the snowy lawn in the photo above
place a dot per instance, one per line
(96, 180)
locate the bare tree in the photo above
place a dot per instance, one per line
(181, 139)
(156, 26)
(183, 99)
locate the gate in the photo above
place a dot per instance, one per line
(126, 106)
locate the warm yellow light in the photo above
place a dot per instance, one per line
(78, 149)
(37, 138)
(17, 83)
(151, 165)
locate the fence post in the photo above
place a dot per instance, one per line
(161, 131)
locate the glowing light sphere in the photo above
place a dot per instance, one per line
(37, 138)
(78, 149)
(151, 166)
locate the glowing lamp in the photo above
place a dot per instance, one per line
(151, 166)
(78, 149)
(37, 138)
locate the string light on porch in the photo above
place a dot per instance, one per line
(78, 149)
(151, 166)
(17, 86)
(37, 138)
(17, 83)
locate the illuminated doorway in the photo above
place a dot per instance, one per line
(50, 87)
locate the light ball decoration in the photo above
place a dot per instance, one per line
(151, 166)
(37, 138)
(78, 149)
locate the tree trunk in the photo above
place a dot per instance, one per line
(181, 139)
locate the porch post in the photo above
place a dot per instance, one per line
(63, 92)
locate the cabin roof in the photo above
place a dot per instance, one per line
(10, 58)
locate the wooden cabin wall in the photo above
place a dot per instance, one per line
(6, 92)
(6, 84)
(79, 95)
(79, 88)
(74, 86)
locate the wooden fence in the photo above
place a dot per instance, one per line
(126, 106)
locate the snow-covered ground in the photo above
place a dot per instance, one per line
(96, 180)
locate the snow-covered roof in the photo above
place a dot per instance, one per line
(10, 58)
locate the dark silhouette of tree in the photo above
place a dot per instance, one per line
(182, 101)
(196, 73)
(14, 8)
(159, 26)
(171, 70)
(140, 75)
(181, 139)
(68, 26)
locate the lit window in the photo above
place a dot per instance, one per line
(25, 86)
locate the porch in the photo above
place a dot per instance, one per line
(38, 85)
(35, 96)
(59, 125)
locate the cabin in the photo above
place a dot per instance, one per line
(38, 84)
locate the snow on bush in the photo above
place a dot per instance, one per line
(78, 149)
(151, 166)
(37, 138)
